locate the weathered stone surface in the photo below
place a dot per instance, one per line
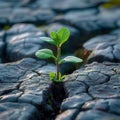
(68, 4)
(22, 111)
(92, 22)
(93, 42)
(75, 101)
(96, 115)
(10, 96)
(111, 105)
(13, 3)
(94, 92)
(21, 28)
(67, 115)
(104, 47)
(76, 88)
(23, 41)
(90, 93)
(23, 75)
(24, 81)
(25, 15)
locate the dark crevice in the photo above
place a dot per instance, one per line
(53, 97)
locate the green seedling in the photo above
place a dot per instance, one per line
(58, 39)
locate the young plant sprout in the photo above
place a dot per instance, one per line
(58, 39)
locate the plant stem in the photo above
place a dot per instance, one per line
(57, 62)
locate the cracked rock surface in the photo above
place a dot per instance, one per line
(104, 47)
(22, 87)
(93, 93)
(90, 93)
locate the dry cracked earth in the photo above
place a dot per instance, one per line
(92, 92)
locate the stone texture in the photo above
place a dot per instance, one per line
(24, 84)
(98, 99)
(23, 41)
(75, 101)
(68, 4)
(20, 111)
(104, 47)
(91, 22)
(96, 115)
(90, 93)
(19, 81)
(25, 15)
(67, 115)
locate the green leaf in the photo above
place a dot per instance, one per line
(54, 36)
(62, 77)
(72, 59)
(47, 39)
(63, 35)
(45, 53)
(52, 76)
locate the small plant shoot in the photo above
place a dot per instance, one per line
(57, 38)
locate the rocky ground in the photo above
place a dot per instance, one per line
(90, 93)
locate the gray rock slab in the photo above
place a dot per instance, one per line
(68, 4)
(67, 115)
(96, 115)
(25, 15)
(104, 47)
(92, 22)
(75, 102)
(23, 40)
(93, 91)
(21, 111)
(23, 86)
(111, 105)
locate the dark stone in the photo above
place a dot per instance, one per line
(39, 16)
(4, 14)
(105, 91)
(102, 52)
(93, 91)
(21, 28)
(67, 115)
(92, 22)
(114, 106)
(14, 72)
(25, 81)
(96, 115)
(100, 104)
(68, 4)
(25, 15)
(74, 88)
(75, 102)
(22, 111)
(104, 47)
(7, 87)
(21, 15)
(23, 41)
(10, 96)
(92, 78)
(93, 42)
(43, 15)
